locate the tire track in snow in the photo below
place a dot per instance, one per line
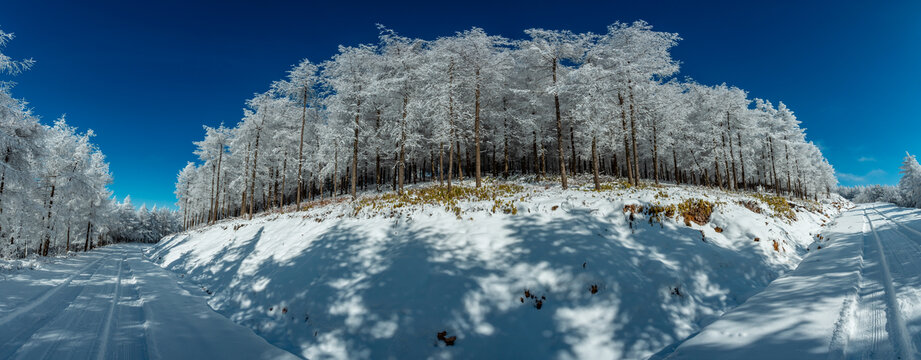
(905, 250)
(869, 338)
(107, 329)
(31, 304)
(41, 339)
(849, 318)
(895, 324)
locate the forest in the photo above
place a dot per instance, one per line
(548, 107)
(53, 184)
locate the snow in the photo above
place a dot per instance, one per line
(855, 297)
(114, 303)
(378, 282)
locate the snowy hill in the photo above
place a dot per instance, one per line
(528, 271)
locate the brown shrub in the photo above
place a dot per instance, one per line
(696, 210)
(751, 205)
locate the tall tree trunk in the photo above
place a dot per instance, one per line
(595, 165)
(786, 151)
(86, 245)
(245, 183)
(403, 146)
(211, 200)
(636, 163)
(252, 185)
(623, 117)
(735, 179)
(476, 127)
(504, 135)
(335, 176)
(300, 152)
(773, 165)
(559, 130)
(536, 157)
(572, 148)
(453, 130)
(355, 152)
(741, 160)
(441, 164)
(675, 163)
(47, 242)
(220, 158)
(655, 154)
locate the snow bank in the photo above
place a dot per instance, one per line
(530, 272)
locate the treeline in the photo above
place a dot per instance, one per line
(470, 105)
(53, 195)
(906, 193)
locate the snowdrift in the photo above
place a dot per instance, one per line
(509, 271)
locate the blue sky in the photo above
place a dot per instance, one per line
(146, 77)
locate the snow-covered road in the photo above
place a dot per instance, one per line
(856, 297)
(112, 303)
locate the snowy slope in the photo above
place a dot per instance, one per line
(382, 279)
(112, 303)
(856, 297)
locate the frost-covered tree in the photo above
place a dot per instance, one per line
(53, 182)
(910, 183)
(405, 109)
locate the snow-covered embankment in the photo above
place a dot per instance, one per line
(524, 272)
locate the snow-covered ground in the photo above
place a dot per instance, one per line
(858, 297)
(531, 272)
(112, 303)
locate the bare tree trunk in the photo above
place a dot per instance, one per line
(252, 185)
(335, 176)
(735, 179)
(572, 148)
(505, 138)
(773, 166)
(742, 161)
(655, 154)
(441, 164)
(636, 163)
(476, 128)
(675, 162)
(536, 157)
(355, 152)
(786, 151)
(86, 245)
(595, 165)
(623, 118)
(220, 158)
(460, 162)
(300, 152)
(559, 131)
(47, 242)
(284, 184)
(211, 200)
(403, 146)
(245, 182)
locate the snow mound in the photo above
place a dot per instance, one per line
(510, 271)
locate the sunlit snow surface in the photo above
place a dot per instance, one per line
(858, 297)
(381, 286)
(112, 303)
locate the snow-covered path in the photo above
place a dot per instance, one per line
(856, 297)
(112, 303)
